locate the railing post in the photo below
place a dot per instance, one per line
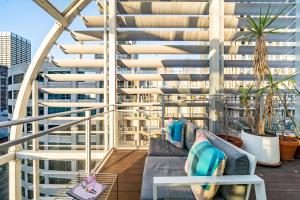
(15, 183)
(35, 142)
(88, 142)
(105, 56)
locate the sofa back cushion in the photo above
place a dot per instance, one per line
(237, 164)
(175, 132)
(190, 134)
(204, 159)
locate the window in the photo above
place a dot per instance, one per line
(58, 180)
(9, 80)
(42, 180)
(41, 95)
(23, 191)
(29, 111)
(10, 109)
(23, 175)
(86, 96)
(10, 94)
(52, 110)
(30, 194)
(18, 78)
(42, 164)
(29, 178)
(60, 165)
(41, 111)
(16, 92)
(59, 96)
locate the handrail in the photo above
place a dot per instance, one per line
(10, 143)
(39, 118)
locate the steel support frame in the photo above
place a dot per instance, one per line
(21, 103)
(105, 57)
(88, 142)
(35, 142)
(216, 65)
(112, 72)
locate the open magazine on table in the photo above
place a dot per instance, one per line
(88, 189)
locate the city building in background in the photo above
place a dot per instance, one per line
(14, 50)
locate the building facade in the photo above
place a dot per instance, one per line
(53, 172)
(14, 50)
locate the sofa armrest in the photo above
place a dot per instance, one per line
(218, 180)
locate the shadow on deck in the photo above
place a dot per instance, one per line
(281, 182)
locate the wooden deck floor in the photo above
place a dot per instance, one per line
(129, 166)
(282, 183)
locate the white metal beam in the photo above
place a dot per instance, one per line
(112, 70)
(6, 158)
(88, 142)
(35, 142)
(105, 58)
(59, 155)
(216, 63)
(53, 11)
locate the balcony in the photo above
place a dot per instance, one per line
(110, 74)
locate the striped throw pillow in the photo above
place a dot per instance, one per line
(204, 159)
(175, 132)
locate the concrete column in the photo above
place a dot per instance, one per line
(216, 65)
(297, 63)
(112, 70)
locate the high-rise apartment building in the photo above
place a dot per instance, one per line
(14, 50)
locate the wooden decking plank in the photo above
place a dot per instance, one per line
(129, 166)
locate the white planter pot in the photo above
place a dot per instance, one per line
(265, 149)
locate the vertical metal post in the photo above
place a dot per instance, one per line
(112, 72)
(35, 142)
(297, 63)
(105, 56)
(88, 142)
(15, 178)
(216, 64)
(163, 116)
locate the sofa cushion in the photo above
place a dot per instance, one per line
(204, 159)
(164, 166)
(237, 164)
(161, 147)
(190, 133)
(175, 132)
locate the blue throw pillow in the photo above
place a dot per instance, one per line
(175, 133)
(204, 159)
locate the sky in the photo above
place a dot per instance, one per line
(27, 19)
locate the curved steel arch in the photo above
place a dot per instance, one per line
(69, 14)
(21, 103)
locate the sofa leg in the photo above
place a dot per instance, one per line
(260, 191)
(154, 192)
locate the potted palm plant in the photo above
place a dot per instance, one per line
(288, 144)
(260, 143)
